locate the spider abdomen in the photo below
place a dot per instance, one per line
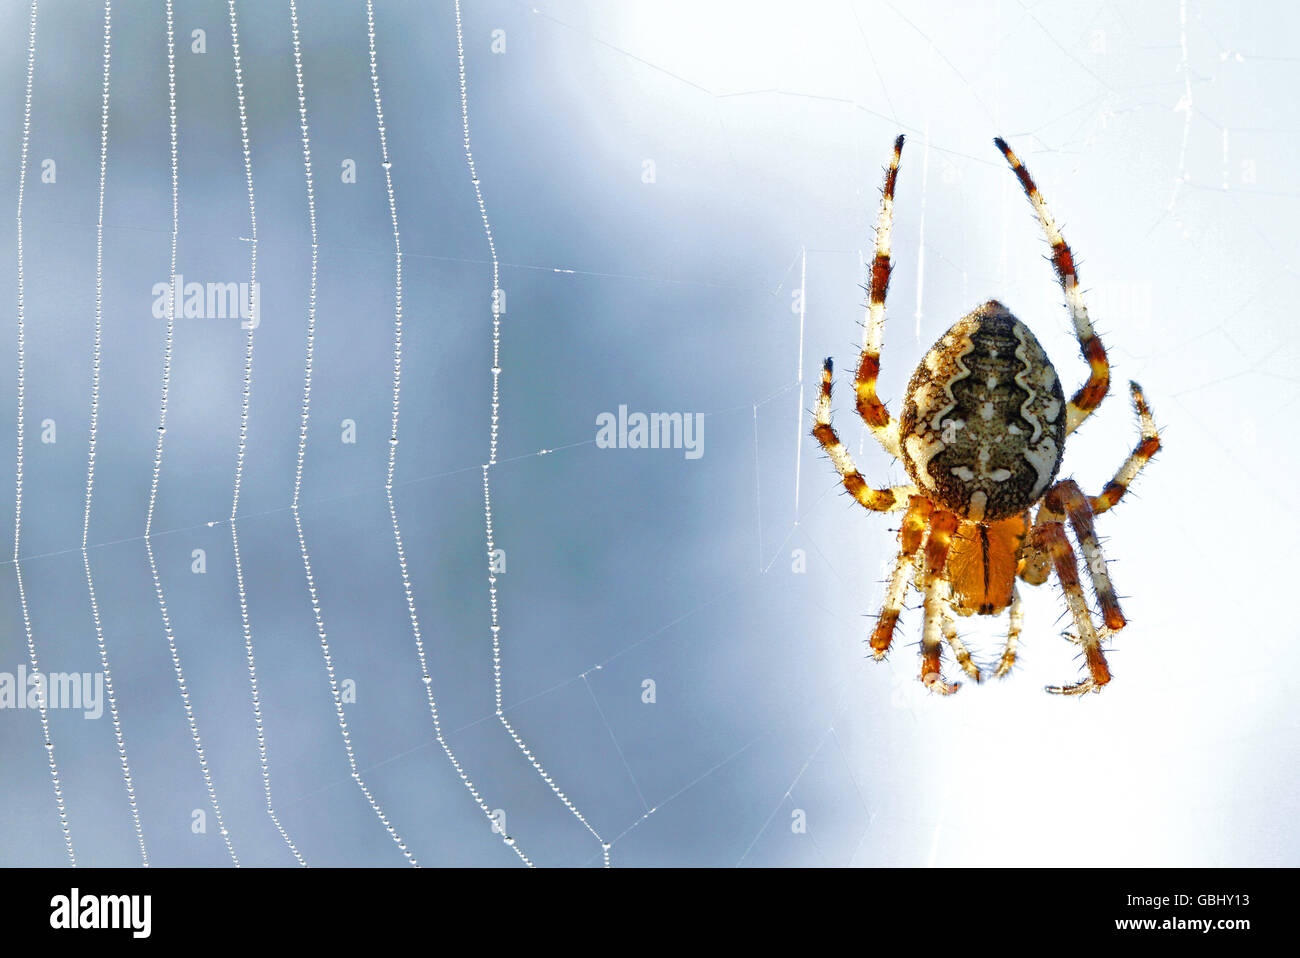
(983, 424)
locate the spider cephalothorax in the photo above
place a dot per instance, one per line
(982, 433)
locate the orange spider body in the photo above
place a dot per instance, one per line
(981, 435)
(983, 562)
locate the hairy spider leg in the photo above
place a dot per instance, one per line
(959, 650)
(1091, 393)
(1015, 620)
(909, 537)
(1147, 447)
(1067, 497)
(1067, 571)
(877, 500)
(1035, 557)
(942, 525)
(870, 408)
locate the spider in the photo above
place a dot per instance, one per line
(982, 433)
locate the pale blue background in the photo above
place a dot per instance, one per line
(767, 125)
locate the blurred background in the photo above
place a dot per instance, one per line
(681, 196)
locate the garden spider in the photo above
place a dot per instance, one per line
(982, 433)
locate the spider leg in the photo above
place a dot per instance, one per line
(959, 650)
(1041, 549)
(942, 525)
(1016, 620)
(1066, 497)
(1146, 448)
(1092, 392)
(914, 523)
(870, 408)
(877, 500)
(1035, 556)
(1067, 571)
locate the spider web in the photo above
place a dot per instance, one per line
(676, 205)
